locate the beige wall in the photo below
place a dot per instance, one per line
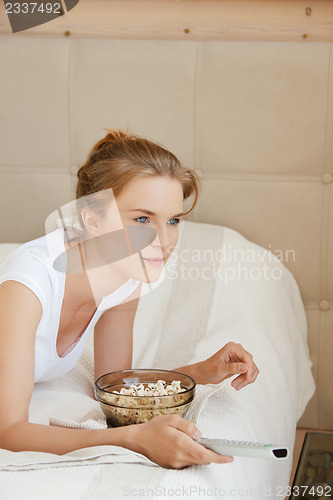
(254, 118)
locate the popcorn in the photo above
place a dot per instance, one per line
(158, 389)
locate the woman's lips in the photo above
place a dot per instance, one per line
(154, 262)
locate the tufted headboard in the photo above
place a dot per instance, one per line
(255, 119)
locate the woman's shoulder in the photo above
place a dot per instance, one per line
(32, 251)
(31, 264)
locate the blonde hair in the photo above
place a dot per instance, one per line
(122, 156)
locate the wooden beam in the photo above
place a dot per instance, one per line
(228, 20)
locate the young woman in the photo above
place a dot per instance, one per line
(46, 313)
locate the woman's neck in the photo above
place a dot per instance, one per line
(87, 288)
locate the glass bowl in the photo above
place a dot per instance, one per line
(121, 409)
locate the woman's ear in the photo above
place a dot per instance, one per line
(90, 221)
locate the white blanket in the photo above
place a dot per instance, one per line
(252, 299)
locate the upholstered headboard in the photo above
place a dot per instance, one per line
(254, 119)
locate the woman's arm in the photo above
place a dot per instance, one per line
(20, 312)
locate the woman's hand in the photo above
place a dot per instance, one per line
(168, 440)
(225, 363)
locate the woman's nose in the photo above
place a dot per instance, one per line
(156, 242)
(160, 241)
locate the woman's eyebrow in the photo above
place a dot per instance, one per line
(148, 211)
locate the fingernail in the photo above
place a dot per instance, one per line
(198, 434)
(230, 459)
(236, 386)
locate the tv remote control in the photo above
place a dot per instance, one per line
(244, 448)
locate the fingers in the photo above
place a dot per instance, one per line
(223, 459)
(218, 458)
(234, 368)
(204, 456)
(243, 380)
(184, 425)
(238, 353)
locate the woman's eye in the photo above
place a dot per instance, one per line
(139, 219)
(177, 221)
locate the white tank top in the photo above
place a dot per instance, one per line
(31, 264)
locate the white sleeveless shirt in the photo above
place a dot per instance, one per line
(32, 265)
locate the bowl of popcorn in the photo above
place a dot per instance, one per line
(136, 396)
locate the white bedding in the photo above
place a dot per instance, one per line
(183, 321)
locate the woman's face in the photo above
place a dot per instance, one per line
(156, 202)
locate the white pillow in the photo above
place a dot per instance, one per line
(6, 248)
